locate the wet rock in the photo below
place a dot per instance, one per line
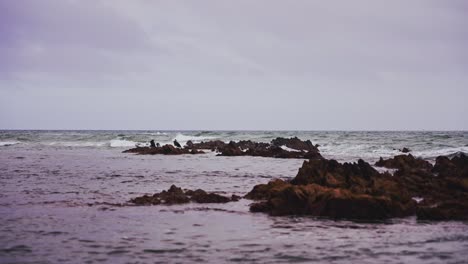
(316, 200)
(255, 149)
(176, 195)
(266, 191)
(327, 188)
(455, 167)
(404, 162)
(405, 150)
(330, 173)
(164, 150)
(212, 145)
(294, 143)
(451, 210)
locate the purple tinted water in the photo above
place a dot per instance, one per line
(56, 205)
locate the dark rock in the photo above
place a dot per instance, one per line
(164, 150)
(455, 167)
(249, 148)
(451, 210)
(266, 191)
(189, 145)
(294, 143)
(405, 150)
(331, 189)
(316, 200)
(176, 195)
(212, 145)
(404, 162)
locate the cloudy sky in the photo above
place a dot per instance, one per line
(214, 64)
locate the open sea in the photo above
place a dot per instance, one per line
(60, 191)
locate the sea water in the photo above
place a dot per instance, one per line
(61, 190)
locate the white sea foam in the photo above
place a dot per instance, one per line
(120, 143)
(8, 143)
(182, 139)
(433, 153)
(77, 143)
(289, 149)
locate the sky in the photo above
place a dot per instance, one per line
(234, 65)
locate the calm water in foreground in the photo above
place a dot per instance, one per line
(58, 189)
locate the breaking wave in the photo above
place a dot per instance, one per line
(8, 143)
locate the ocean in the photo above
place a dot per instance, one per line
(60, 192)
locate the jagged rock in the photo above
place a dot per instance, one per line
(176, 195)
(455, 167)
(266, 191)
(405, 150)
(165, 150)
(294, 143)
(249, 148)
(331, 189)
(404, 162)
(212, 145)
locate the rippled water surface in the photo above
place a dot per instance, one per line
(60, 203)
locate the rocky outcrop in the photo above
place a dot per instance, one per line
(212, 145)
(328, 188)
(176, 195)
(455, 167)
(316, 200)
(164, 150)
(294, 143)
(404, 162)
(283, 148)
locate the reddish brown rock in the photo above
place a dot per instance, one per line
(316, 200)
(331, 189)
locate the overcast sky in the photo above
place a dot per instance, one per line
(263, 64)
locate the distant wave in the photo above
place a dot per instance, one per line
(8, 143)
(120, 143)
(450, 152)
(181, 138)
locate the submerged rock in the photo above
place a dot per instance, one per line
(176, 195)
(164, 150)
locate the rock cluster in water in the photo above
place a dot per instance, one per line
(327, 188)
(176, 195)
(277, 148)
(357, 191)
(164, 150)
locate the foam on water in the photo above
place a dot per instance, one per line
(8, 143)
(121, 143)
(182, 139)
